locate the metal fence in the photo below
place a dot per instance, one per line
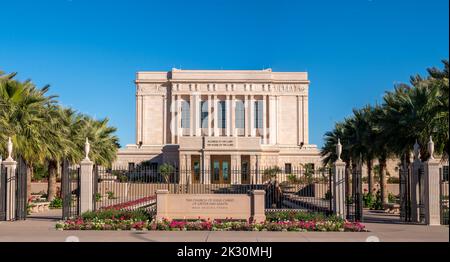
(298, 189)
(405, 193)
(70, 190)
(444, 195)
(354, 201)
(3, 193)
(16, 185)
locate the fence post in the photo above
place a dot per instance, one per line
(432, 189)
(161, 204)
(86, 182)
(414, 186)
(339, 184)
(10, 166)
(258, 206)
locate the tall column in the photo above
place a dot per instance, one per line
(139, 119)
(198, 124)
(272, 121)
(228, 115)
(339, 188)
(253, 170)
(277, 109)
(264, 120)
(173, 121)
(238, 170)
(188, 171)
(10, 166)
(206, 169)
(164, 119)
(209, 114)
(216, 116)
(179, 129)
(247, 118)
(191, 115)
(233, 116)
(305, 120)
(252, 116)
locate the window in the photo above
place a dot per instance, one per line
(259, 114)
(222, 114)
(131, 166)
(185, 114)
(287, 168)
(197, 171)
(204, 114)
(240, 114)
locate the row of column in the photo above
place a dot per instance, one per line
(269, 129)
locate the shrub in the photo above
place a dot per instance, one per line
(56, 203)
(139, 214)
(98, 197)
(111, 195)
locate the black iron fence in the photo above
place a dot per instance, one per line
(444, 195)
(405, 193)
(13, 191)
(298, 189)
(70, 190)
(2, 193)
(354, 199)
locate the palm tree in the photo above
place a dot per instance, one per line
(22, 114)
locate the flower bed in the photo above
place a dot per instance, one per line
(139, 220)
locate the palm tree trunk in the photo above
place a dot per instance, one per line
(52, 172)
(370, 175)
(383, 181)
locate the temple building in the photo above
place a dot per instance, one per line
(221, 120)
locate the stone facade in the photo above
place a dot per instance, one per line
(191, 117)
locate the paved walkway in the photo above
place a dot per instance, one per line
(40, 228)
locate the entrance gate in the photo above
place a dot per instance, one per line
(405, 193)
(70, 190)
(18, 182)
(355, 198)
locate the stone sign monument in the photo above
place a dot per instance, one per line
(210, 206)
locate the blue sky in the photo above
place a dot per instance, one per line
(89, 51)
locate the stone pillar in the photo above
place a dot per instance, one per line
(86, 185)
(258, 206)
(139, 119)
(233, 116)
(161, 204)
(182, 170)
(265, 103)
(238, 170)
(197, 112)
(188, 171)
(164, 120)
(228, 115)
(173, 122)
(191, 116)
(339, 188)
(299, 120)
(252, 116)
(216, 116)
(272, 122)
(10, 166)
(209, 115)
(432, 192)
(179, 128)
(247, 118)
(305, 120)
(207, 169)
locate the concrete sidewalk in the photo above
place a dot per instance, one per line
(40, 228)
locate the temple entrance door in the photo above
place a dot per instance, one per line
(220, 169)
